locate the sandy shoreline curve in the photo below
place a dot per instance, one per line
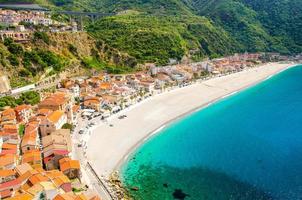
(109, 147)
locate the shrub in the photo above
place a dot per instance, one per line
(13, 60)
(41, 36)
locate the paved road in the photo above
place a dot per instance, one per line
(87, 171)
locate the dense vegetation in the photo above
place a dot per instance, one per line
(30, 97)
(156, 30)
(154, 39)
(163, 30)
(33, 61)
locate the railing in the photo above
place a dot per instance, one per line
(103, 185)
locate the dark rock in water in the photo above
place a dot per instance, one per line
(135, 188)
(165, 185)
(179, 194)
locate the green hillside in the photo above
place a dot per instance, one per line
(159, 30)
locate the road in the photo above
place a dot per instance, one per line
(88, 174)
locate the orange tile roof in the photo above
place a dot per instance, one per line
(44, 111)
(91, 101)
(9, 111)
(10, 127)
(8, 118)
(24, 196)
(58, 98)
(6, 193)
(67, 163)
(9, 146)
(23, 168)
(22, 107)
(6, 173)
(37, 178)
(7, 159)
(29, 139)
(55, 116)
(105, 86)
(32, 156)
(65, 196)
(31, 127)
(60, 180)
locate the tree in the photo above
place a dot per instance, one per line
(67, 126)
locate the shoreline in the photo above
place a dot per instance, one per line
(157, 131)
(118, 158)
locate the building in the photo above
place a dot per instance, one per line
(4, 84)
(7, 175)
(23, 113)
(60, 180)
(9, 132)
(56, 101)
(33, 157)
(52, 122)
(8, 116)
(30, 140)
(56, 146)
(71, 168)
(59, 101)
(8, 161)
(92, 103)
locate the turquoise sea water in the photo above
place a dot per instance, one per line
(247, 146)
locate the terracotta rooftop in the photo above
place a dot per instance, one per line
(37, 178)
(23, 168)
(22, 107)
(6, 173)
(31, 156)
(67, 163)
(55, 116)
(9, 184)
(24, 196)
(56, 99)
(44, 112)
(9, 111)
(9, 146)
(7, 159)
(29, 139)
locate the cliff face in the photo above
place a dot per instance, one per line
(50, 53)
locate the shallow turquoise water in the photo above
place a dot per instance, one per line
(247, 146)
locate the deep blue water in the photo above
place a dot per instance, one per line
(246, 146)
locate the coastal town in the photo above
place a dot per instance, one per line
(21, 24)
(43, 144)
(37, 155)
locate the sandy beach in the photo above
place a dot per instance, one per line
(108, 147)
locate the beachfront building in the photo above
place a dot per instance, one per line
(71, 168)
(92, 103)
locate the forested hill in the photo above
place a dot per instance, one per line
(159, 30)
